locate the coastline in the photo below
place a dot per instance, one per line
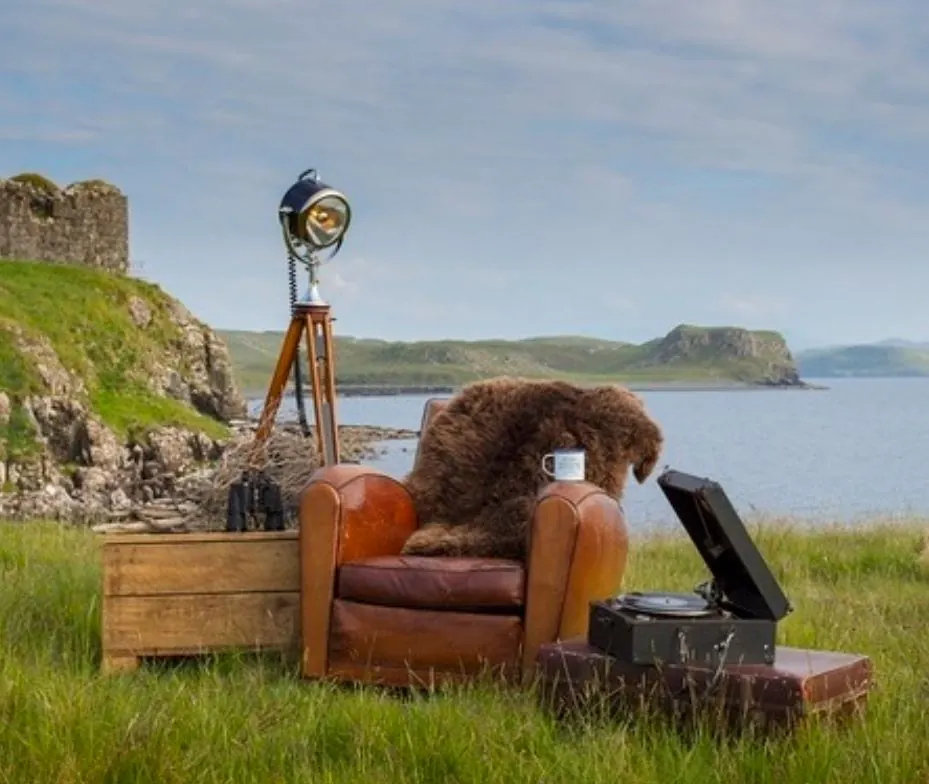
(396, 390)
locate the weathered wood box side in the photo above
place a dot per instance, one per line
(186, 594)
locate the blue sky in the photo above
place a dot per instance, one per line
(517, 167)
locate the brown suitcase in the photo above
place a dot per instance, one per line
(801, 683)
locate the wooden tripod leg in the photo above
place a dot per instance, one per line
(312, 355)
(329, 389)
(319, 351)
(282, 370)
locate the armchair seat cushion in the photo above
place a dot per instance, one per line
(430, 583)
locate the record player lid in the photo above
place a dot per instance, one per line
(720, 536)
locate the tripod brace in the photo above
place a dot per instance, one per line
(314, 320)
(256, 492)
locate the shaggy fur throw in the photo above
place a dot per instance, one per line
(479, 469)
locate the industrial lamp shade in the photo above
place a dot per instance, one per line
(314, 213)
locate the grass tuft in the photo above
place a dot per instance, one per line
(250, 719)
(39, 181)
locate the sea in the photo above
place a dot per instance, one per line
(847, 454)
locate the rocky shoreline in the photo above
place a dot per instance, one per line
(174, 480)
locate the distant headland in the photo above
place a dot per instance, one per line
(688, 358)
(887, 359)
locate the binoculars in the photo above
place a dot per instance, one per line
(254, 497)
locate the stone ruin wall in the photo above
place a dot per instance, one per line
(86, 223)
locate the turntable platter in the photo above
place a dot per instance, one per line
(681, 605)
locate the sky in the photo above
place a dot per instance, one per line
(515, 168)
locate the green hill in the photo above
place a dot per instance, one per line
(80, 346)
(687, 354)
(875, 360)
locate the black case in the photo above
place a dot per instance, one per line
(746, 598)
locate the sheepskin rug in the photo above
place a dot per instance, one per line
(479, 472)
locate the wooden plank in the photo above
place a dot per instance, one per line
(179, 625)
(183, 566)
(210, 536)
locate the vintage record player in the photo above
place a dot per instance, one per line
(731, 619)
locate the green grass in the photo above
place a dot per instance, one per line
(17, 436)
(39, 181)
(84, 314)
(132, 411)
(581, 359)
(251, 720)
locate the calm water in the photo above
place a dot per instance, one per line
(861, 448)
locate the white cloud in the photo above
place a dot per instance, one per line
(741, 84)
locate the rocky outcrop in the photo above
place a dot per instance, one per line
(74, 467)
(104, 420)
(198, 370)
(766, 352)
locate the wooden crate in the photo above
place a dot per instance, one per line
(183, 594)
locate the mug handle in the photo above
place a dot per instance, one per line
(545, 469)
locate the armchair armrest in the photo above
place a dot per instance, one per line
(578, 550)
(365, 512)
(347, 512)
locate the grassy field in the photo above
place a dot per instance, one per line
(678, 357)
(244, 721)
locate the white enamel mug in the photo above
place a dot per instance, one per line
(568, 465)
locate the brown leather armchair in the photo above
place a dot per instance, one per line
(370, 614)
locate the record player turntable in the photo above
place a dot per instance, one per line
(730, 619)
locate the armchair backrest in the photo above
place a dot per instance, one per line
(433, 407)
